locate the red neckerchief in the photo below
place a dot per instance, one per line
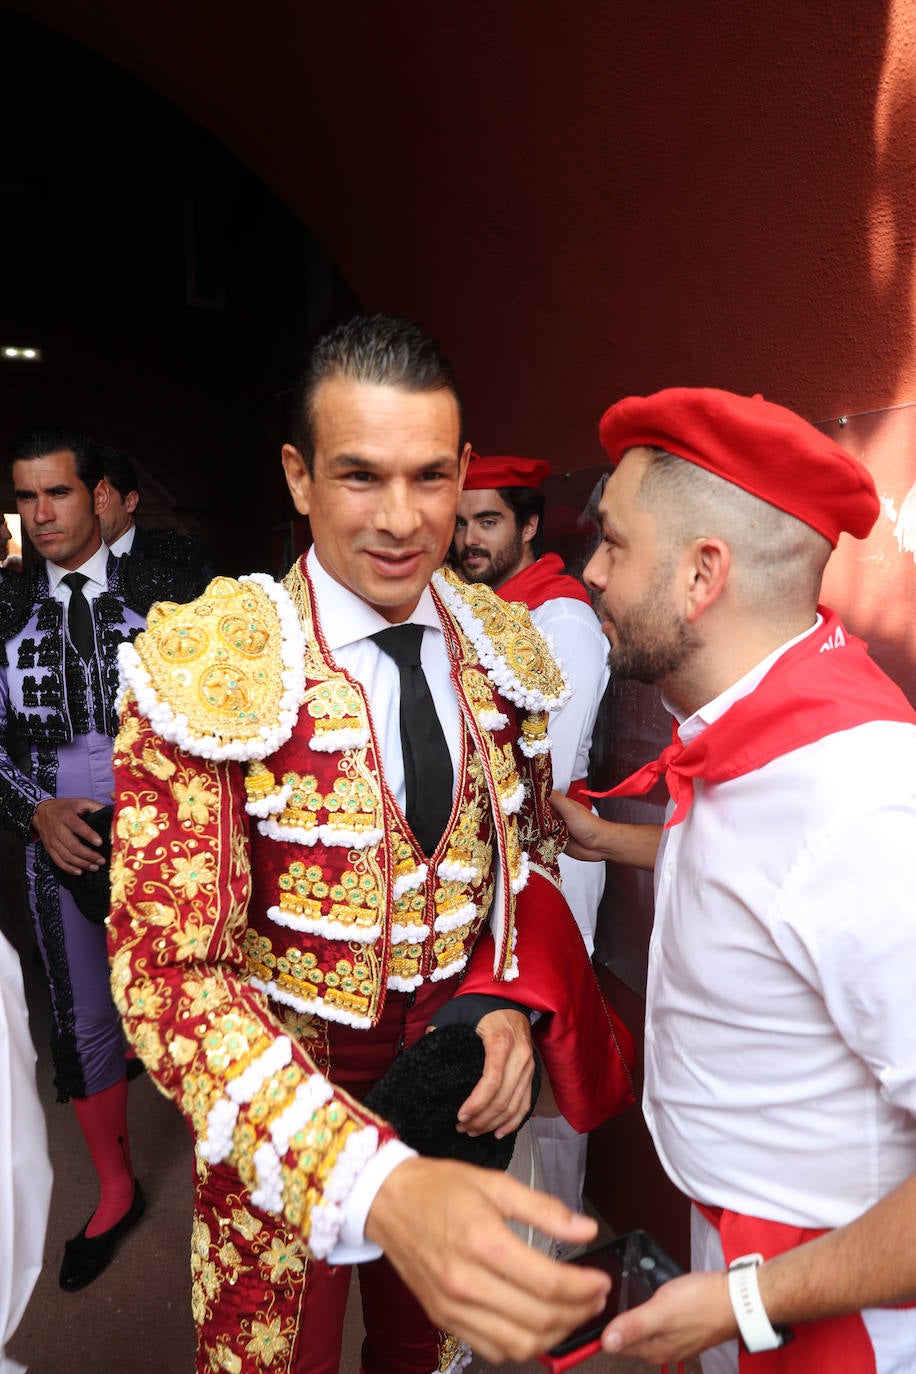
(543, 581)
(822, 685)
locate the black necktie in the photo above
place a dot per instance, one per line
(427, 763)
(79, 617)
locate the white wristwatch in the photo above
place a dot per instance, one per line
(757, 1332)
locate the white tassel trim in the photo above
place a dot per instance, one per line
(396, 983)
(323, 834)
(268, 1192)
(463, 1357)
(449, 971)
(327, 1216)
(521, 881)
(276, 1057)
(221, 1119)
(336, 741)
(310, 1095)
(406, 882)
(314, 1006)
(223, 1115)
(497, 669)
(449, 872)
(453, 919)
(512, 801)
(492, 720)
(531, 748)
(271, 804)
(331, 930)
(412, 935)
(174, 728)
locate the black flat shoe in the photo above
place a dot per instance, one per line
(133, 1068)
(86, 1257)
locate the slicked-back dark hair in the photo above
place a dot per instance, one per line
(377, 350)
(119, 470)
(525, 502)
(44, 439)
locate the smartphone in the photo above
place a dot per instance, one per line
(638, 1266)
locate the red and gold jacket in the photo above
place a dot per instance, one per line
(264, 879)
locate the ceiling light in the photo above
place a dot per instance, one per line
(27, 355)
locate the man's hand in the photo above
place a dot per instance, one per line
(502, 1098)
(685, 1316)
(442, 1226)
(594, 839)
(70, 842)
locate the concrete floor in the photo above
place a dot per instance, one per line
(136, 1316)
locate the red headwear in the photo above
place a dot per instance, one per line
(486, 473)
(764, 448)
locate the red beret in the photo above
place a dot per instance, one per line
(484, 473)
(764, 448)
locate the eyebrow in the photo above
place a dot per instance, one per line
(364, 464)
(479, 514)
(59, 489)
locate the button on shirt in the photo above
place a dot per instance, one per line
(780, 1035)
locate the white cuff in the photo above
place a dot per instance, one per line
(352, 1246)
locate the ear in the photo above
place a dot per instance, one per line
(463, 461)
(530, 528)
(297, 478)
(708, 565)
(101, 497)
(131, 501)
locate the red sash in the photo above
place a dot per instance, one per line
(543, 581)
(819, 1347)
(822, 685)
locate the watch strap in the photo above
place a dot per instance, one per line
(757, 1331)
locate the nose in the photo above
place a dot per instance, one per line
(594, 574)
(397, 512)
(44, 509)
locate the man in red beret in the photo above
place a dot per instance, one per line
(780, 1040)
(499, 540)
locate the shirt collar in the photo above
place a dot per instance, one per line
(694, 725)
(95, 569)
(345, 618)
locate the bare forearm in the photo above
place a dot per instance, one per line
(636, 845)
(869, 1263)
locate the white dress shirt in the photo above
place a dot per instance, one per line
(124, 543)
(95, 570)
(346, 622)
(780, 1033)
(574, 631)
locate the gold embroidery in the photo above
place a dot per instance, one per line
(217, 660)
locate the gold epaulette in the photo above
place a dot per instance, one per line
(223, 675)
(510, 646)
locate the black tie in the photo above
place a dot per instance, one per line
(79, 617)
(427, 762)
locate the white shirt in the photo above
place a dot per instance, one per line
(780, 1031)
(95, 570)
(574, 632)
(124, 542)
(346, 622)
